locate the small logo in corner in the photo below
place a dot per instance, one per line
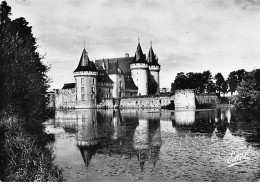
(238, 158)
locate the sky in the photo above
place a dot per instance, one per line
(187, 35)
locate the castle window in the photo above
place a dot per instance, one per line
(120, 84)
(93, 81)
(92, 89)
(82, 89)
(107, 95)
(82, 81)
(83, 97)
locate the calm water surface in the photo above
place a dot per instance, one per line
(154, 145)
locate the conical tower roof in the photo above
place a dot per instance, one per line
(139, 56)
(152, 59)
(84, 63)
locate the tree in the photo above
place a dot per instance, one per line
(197, 81)
(207, 82)
(23, 76)
(234, 79)
(225, 87)
(240, 75)
(200, 87)
(232, 82)
(249, 92)
(181, 81)
(220, 82)
(5, 12)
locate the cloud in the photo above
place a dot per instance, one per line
(252, 5)
(187, 35)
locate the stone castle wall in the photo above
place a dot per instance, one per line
(140, 102)
(65, 98)
(184, 99)
(207, 99)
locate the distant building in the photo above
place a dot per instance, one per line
(110, 78)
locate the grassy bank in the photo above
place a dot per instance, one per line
(23, 156)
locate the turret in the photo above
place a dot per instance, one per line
(139, 71)
(86, 82)
(154, 68)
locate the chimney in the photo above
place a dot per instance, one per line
(126, 55)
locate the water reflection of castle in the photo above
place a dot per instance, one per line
(136, 133)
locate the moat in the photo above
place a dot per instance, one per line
(156, 145)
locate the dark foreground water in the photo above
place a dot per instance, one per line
(154, 145)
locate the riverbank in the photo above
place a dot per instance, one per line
(24, 157)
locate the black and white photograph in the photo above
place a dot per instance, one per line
(130, 91)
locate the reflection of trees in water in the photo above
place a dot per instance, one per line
(221, 122)
(205, 122)
(246, 126)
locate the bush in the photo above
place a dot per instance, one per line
(22, 159)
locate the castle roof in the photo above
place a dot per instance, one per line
(129, 83)
(103, 77)
(69, 86)
(139, 56)
(84, 63)
(152, 59)
(111, 65)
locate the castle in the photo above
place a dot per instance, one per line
(110, 78)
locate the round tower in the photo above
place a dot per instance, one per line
(86, 82)
(154, 68)
(139, 71)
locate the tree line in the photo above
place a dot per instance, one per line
(206, 82)
(246, 84)
(23, 77)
